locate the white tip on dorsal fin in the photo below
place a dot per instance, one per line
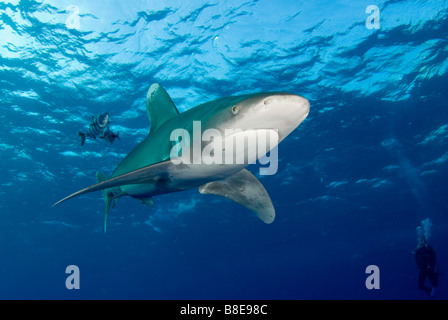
(243, 188)
(159, 105)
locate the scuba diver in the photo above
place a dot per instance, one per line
(96, 127)
(109, 135)
(425, 257)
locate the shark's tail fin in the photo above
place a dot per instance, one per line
(108, 197)
(83, 137)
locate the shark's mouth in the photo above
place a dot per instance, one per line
(247, 146)
(225, 147)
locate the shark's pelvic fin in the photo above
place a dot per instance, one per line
(159, 106)
(114, 202)
(108, 197)
(245, 189)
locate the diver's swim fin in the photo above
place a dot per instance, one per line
(433, 292)
(83, 137)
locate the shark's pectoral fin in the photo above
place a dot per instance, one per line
(154, 174)
(245, 189)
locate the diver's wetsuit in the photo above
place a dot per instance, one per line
(425, 257)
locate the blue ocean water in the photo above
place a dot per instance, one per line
(354, 180)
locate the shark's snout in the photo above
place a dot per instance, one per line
(282, 112)
(290, 104)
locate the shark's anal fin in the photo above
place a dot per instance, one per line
(147, 201)
(245, 189)
(159, 106)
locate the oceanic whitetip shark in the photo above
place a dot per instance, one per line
(148, 170)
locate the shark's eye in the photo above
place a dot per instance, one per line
(235, 109)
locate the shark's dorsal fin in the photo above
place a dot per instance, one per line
(159, 106)
(245, 189)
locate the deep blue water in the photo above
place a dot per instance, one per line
(354, 181)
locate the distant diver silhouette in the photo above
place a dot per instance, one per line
(425, 257)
